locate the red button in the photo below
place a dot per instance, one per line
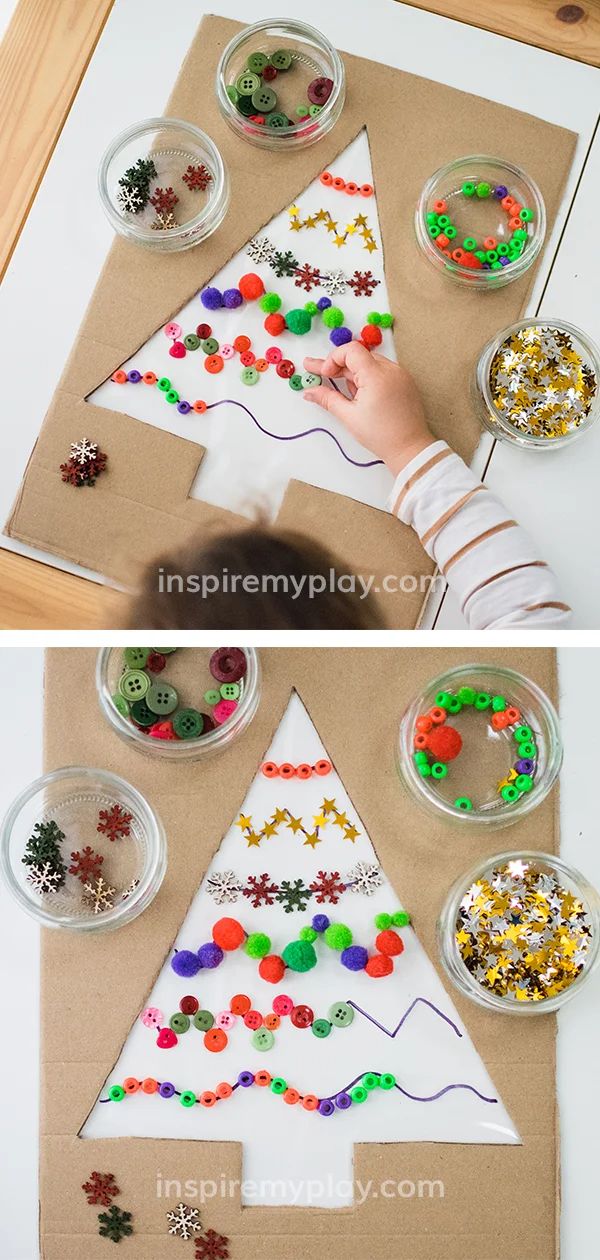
(240, 1004)
(156, 662)
(302, 1017)
(248, 358)
(215, 1040)
(189, 1005)
(241, 344)
(253, 1020)
(286, 369)
(214, 363)
(203, 331)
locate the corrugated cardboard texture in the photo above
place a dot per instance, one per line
(499, 1201)
(414, 126)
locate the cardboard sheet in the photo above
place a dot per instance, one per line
(414, 126)
(497, 1200)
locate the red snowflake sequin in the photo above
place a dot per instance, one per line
(327, 887)
(164, 200)
(197, 177)
(260, 891)
(307, 277)
(86, 865)
(363, 283)
(101, 1188)
(114, 822)
(212, 1246)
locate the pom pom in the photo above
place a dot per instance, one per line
(386, 321)
(333, 317)
(320, 922)
(371, 336)
(355, 958)
(444, 742)
(275, 324)
(212, 299)
(339, 336)
(210, 955)
(379, 965)
(300, 956)
(228, 934)
(185, 963)
(338, 936)
(373, 317)
(270, 302)
(258, 945)
(232, 298)
(251, 287)
(271, 968)
(311, 307)
(308, 934)
(389, 943)
(323, 303)
(383, 921)
(401, 918)
(298, 322)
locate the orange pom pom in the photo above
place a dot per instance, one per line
(228, 934)
(379, 965)
(389, 943)
(371, 336)
(275, 324)
(251, 287)
(271, 968)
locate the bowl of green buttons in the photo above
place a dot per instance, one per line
(178, 703)
(481, 221)
(479, 745)
(281, 84)
(81, 848)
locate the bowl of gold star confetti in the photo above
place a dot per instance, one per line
(479, 745)
(520, 932)
(82, 849)
(536, 384)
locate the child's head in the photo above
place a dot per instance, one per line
(254, 579)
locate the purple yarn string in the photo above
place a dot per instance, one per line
(293, 437)
(405, 1016)
(414, 1097)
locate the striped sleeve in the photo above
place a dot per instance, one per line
(491, 564)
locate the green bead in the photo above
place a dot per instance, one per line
(467, 695)
(483, 189)
(496, 266)
(400, 918)
(338, 936)
(491, 256)
(421, 757)
(257, 62)
(257, 945)
(451, 231)
(341, 1014)
(282, 59)
(277, 121)
(135, 658)
(262, 1039)
(308, 934)
(212, 696)
(179, 1022)
(164, 384)
(383, 922)
(510, 793)
(386, 320)
(370, 1081)
(374, 318)
(528, 749)
(269, 303)
(278, 1085)
(116, 1093)
(431, 218)
(300, 956)
(439, 770)
(443, 220)
(232, 93)
(442, 700)
(482, 701)
(359, 1094)
(526, 215)
(498, 704)
(522, 732)
(299, 321)
(387, 1080)
(524, 782)
(455, 705)
(187, 1098)
(172, 396)
(295, 382)
(463, 803)
(264, 99)
(519, 235)
(468, 188)
(321, 1028)
(502, 250)
(480, 254)
(247, 83)
(333, 317)
(203, 1020)
(469, 242)
(121, 705)
(424, 770)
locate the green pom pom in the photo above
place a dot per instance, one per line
(373, 317)
(258, 945)
(298, 322)
(308, 934)
(269, 303)
(387, 321)
(401, 918)
(312, 308)
(383, 922)
(299, 956)
(338, 936)
(333, 317)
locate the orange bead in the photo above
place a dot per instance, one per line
(490, 242)
(420, 741)
(199, 407)
(322, 766)
(303, 771)
(507, 203)
(270, 769)
(515, 224)
(338, 183)
(272, 1022)
(131, 1085)
(366, 190)
(516, 207)
(458, 254)
(437, 715)
(119, 377)
(310, 1102)
(287, 770)
(351, 188)
(291, 1096)
(440, 207)
(263, 1077)
(326, 178)
(149, 1086)
(500, 721)
(149, 378)
(424, 723)
(208, 1099)
(224, 1090)
(442, 241)
(513, 714)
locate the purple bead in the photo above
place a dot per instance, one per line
(320, 922)
(166, 1090)
(323, 303)
(185, 963)
(504, 261)
(343, 1101)
(326, 1107)
(486, 266)
(212, 299)
(232, 298)
(245, 1079)
(355, 957)
(134, 377)
(339, 336)
(525, 765)
(501, 191)
(183, 408)
(210, 955)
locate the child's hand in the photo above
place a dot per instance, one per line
(385, 412)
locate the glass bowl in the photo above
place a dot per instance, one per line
(469, 197)
(176, 166)
(132, 846)
(474, 762)
(299, 55)
(521, 355)
(511, 871)
(188, 682)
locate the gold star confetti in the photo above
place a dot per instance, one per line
(540, 384)
(297, 223)
(312, 838)
(351, 833)
(294, 824)
(244, 822)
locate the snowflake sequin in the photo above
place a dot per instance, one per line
(185, 1221)
(223, 886)
(44, 878)
(334, 283)
(364, 878)
(260, 249)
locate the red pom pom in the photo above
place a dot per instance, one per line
(388, 942)
(379, 965)
(275, 324)
(251, 287)
(444, 742)
(371, 336)
(271, 968)
(228, 934)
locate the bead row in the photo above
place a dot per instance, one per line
(347, 186)
(263, 1027)
(287, 771)
(356, 1093)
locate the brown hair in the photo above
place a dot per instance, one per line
(278, 567)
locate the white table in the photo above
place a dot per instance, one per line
(66, 238)
(579, 1022)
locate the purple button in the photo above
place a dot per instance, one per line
(326, 1107)
(245, 1079)
(166, 1090)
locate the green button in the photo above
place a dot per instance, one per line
(230, 691)
(121, 704)
(262, 1039)
(264, 99)
(247, 83)
(341, 1014)
(282, 59)
(210, 345)
(179, 1022)
(135, 658)
(249, 376)
(134, 684)
(162, 698)
(191, 342)
(309, 379)
(314, 110)
(321, 1027)
(232, 93)
(301, 111)
(203, 1020)
(212, 697)
(257, 62)
(141, 714)
(277, 120)
(163, 651)
(295, 381)
(188, 723)
(245, 106)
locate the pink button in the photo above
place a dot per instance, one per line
(223, 710)
(177, 350)
(173, 330)
(152, 1017)
(253, 1020)
(282, 1004)
(273, 355)
(225, 1019)
(227, 351)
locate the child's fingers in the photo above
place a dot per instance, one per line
(330, 400)
(348, 360)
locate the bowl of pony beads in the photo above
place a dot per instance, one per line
(178, 703)
(479, 745)
(481, 220)
(280, 84)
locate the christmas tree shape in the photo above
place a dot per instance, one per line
(297, 850)
(327, 245)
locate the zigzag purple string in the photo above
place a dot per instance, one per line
(293, 437)
(387, 1032)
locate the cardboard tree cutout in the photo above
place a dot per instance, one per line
(297, 850)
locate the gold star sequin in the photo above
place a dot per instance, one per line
(253, 840)
(351, 833)
(312, 839)
(540, 384)
(244, 822)
(294, 824)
